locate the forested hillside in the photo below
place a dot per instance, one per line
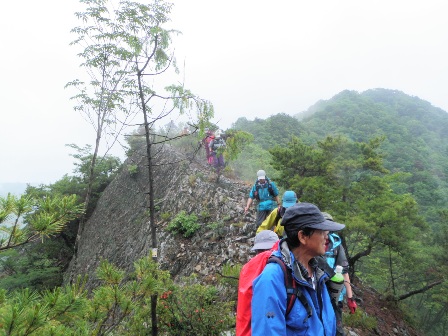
(415, 134)
(374, 160)
(377, 161)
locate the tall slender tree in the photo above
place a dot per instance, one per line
(127, 48)
(102, 98)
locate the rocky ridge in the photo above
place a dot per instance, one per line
(119, 228)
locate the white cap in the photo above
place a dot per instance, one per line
(338, 269)
(261, 174)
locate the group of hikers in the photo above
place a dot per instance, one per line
(214, 143)
(289, 287)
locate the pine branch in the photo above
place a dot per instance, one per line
(418, 291)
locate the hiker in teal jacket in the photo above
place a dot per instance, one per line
(306, 231)
(266, 193)
(335, 255)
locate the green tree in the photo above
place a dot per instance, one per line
(103, 98)
(119, 306)
(348, 180)
(131, 40)
(236, 142)
(43, 217)
(36, 266)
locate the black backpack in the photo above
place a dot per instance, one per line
(218, 143)
(258, 187)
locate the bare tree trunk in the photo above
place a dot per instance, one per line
(391, 272)
(151, 200)
(91, 177)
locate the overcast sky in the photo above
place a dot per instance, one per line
(251, 58)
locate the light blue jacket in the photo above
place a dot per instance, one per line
(269, 302)
(267, 201)
(336, 256)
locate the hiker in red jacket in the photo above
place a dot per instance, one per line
(265, 242)
(209, 136)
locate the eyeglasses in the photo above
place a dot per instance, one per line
(323, 233)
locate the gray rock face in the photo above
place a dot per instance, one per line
(119, 228)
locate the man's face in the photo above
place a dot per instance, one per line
(262, 181)
(315, 243)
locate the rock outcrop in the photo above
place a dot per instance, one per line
(119, 228)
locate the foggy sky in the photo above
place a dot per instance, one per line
(249, 58)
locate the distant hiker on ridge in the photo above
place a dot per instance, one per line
(266, 193)
(216, 148)
(206, 143)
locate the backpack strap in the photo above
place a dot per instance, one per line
(257, 190)
(271, 189)
(258, 186)
(323, 265)
(280, 213)
(292, 290)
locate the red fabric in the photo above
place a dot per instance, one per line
(206, 142)
(248, 273)
(352, 305)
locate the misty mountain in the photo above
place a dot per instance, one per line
(415, 134)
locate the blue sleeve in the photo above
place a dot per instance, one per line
(269, 302)
(252, 191)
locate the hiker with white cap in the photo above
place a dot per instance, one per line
(266, 193)
(306, 230)
(273, 221)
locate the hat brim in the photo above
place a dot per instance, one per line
(262, 177)
(288, 204)
(262, 246)
(328, 225)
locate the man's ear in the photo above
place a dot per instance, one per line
(301, 237)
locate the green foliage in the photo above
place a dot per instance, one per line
(205, 214)
(105, 171)
(42, 217)
(275, 130)
(360, 319)
(193, 309)
(218, 229)
(184, 224)
(192, 180)
(230, 274)
(414, 131)
(165, 216)
(117, 307)
(384, 235)
(135, 140)
(133, 170)
(236, 141)
(37, 266)
(213, 225)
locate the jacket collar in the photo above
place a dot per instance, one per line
(290, 261)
